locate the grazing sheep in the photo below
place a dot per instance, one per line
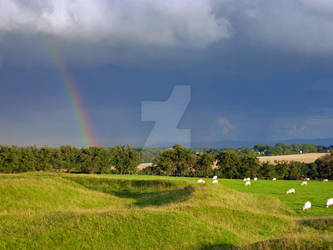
(248, 179)
(248, 183)
(325, 180)
(307, 179)
(307, 205)
(245, 179)
(329, 202)
(255, 178)
(215, 181)
(291, 191)
(304, 183)
(274, 179)
(215, 177)
(201, 181)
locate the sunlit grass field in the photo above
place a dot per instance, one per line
(63, 211)
(317, 192)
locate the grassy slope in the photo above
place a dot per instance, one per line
(103, 212)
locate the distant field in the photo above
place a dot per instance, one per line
(72, 211)
(144, 165)
(306, 158)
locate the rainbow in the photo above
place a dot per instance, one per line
(74, 96)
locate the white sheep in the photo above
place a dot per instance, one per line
(201, 181)
(215, 177)
(325, 180)
(255, 178)
(291, 191)
(247, 183)
(248, 179)
(245, 179)
(307, 205)
(307, 179)
(274, 179)
(304, 183)
(215, 181)
(329, 202)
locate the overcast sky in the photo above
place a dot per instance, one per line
(259, 70)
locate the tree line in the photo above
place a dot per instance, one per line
(149, 154)
(119, 159)
(180, 161)
(175, 161)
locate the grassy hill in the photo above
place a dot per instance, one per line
(135, 212)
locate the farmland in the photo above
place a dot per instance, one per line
(126, 212)
(306, 158)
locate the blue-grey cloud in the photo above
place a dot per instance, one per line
(147, 32)
(263, 64)
(163, 23)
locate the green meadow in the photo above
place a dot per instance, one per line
(68, 211)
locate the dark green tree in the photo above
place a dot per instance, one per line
(177, 161)
(125, 159)
(267, 170)
(325, 166)
(229, 165)
(249, 166)
(204, 165)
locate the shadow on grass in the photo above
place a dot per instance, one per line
(322, 224)
(144, 192)
(219, 246)
(158, 198)
(289, 243)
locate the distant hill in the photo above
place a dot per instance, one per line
(251, 143)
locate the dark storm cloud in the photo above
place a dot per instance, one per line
(126, 31)
(263, 67)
